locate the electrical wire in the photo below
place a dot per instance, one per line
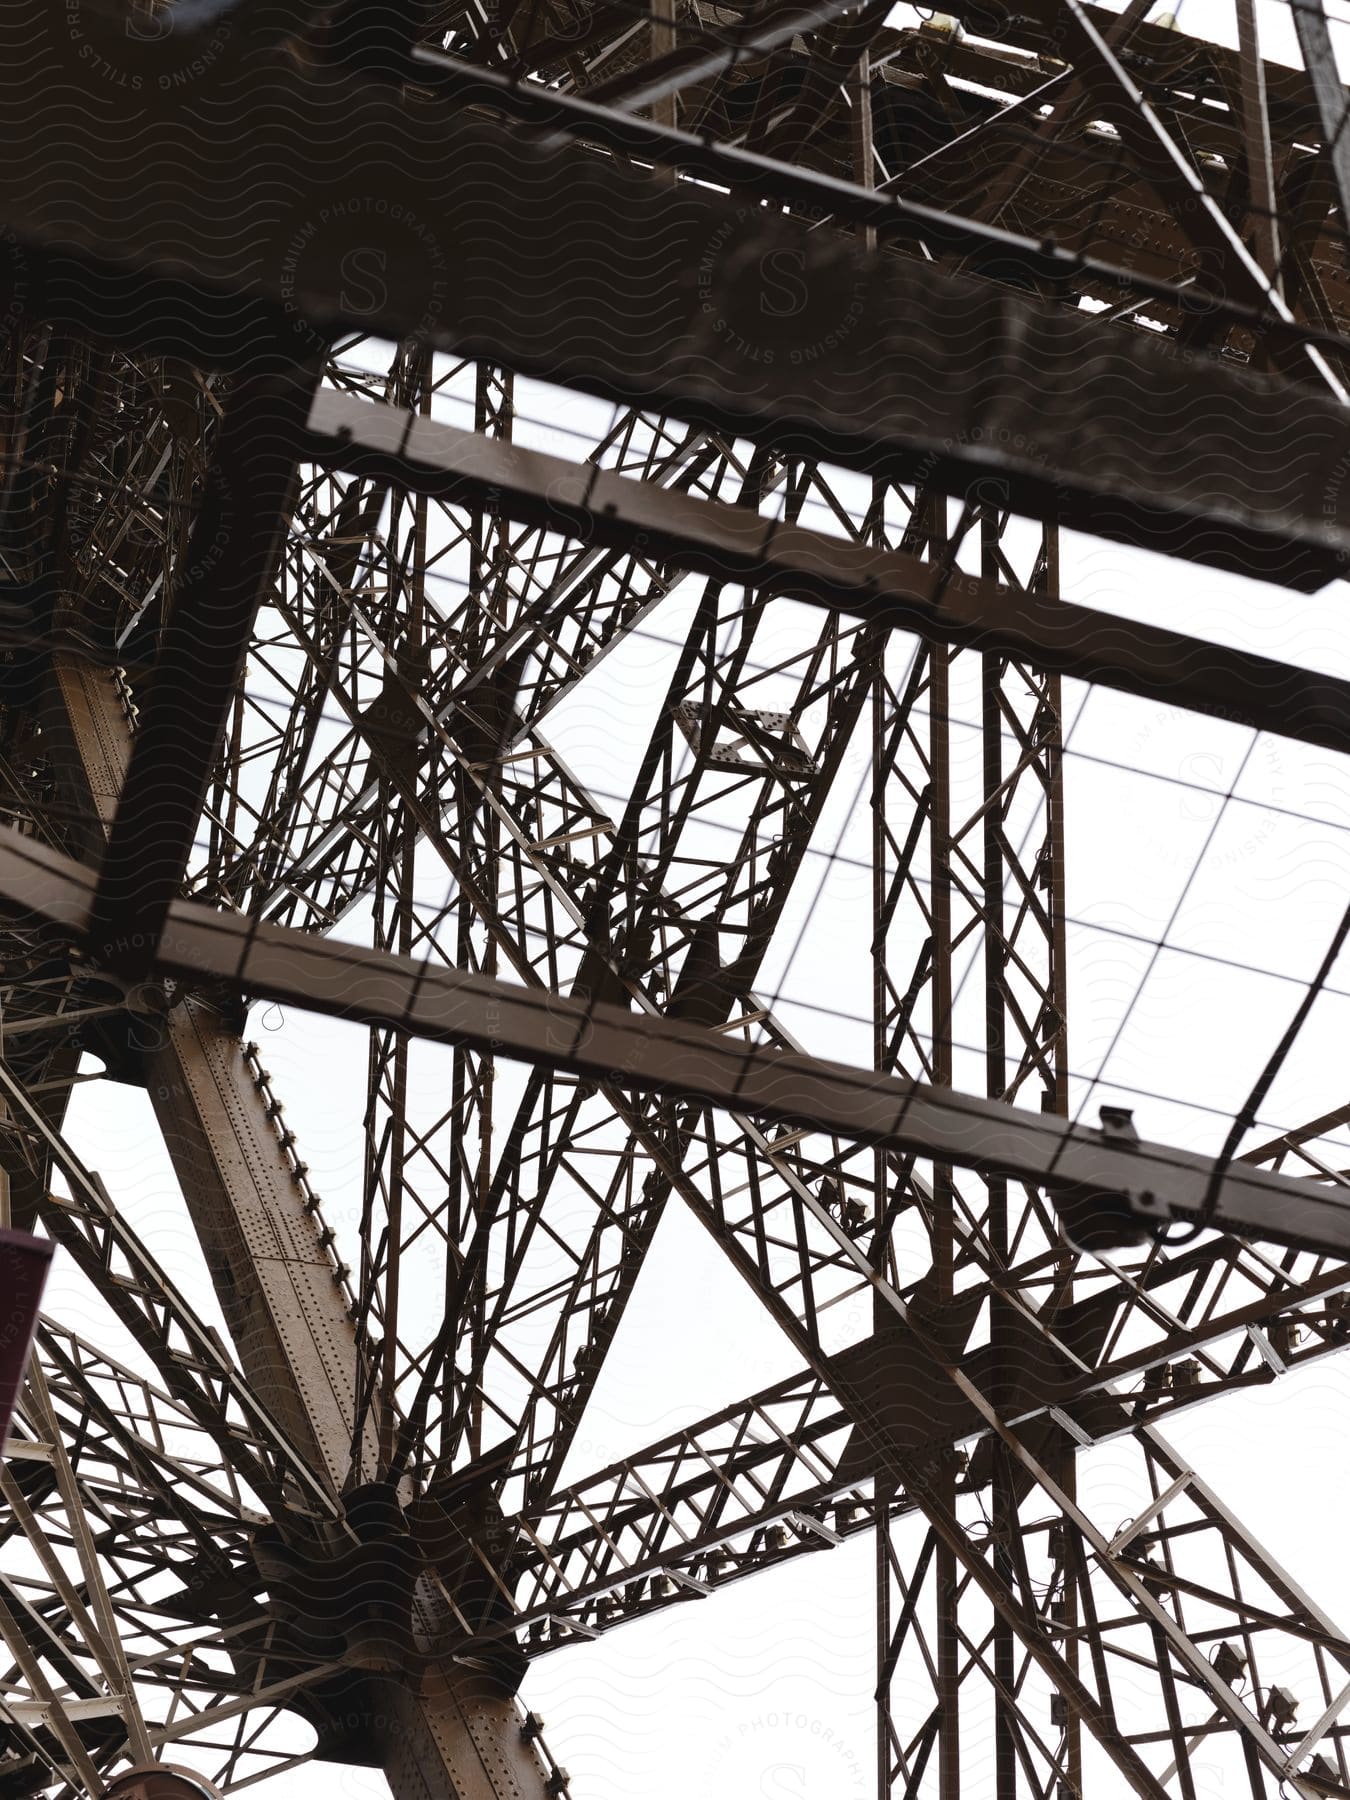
(1246, 1116)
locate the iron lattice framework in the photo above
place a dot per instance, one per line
(872, 306)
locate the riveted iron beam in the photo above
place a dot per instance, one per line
(1108, 1169)
(887, 586)
(202, 230)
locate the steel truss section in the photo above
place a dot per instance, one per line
(731, 1071)
(292, 1320)
(864, 1411)
(402, 606)
(190, 271)
(731, 544)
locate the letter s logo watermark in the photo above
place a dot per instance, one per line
(364, 269)
(785, 292)
(146, 26)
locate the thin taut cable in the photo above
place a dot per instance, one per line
(1244, 1120)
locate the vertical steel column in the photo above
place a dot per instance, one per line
(1003, 1500)
(407, 1155)
(474, 1074)
(912, 1029)
(1055, 1093)
(1024, 1014)
(944, 1176)
(391, 724)
(978, 962)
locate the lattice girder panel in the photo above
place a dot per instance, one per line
(668, 935)
(490, 861)
(509, 629)
(125, 1533)
(1024, 1460)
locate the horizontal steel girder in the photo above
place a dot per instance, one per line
(279, 201)
(1097, 1171)
(888, 586)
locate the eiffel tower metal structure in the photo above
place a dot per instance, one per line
(869, 307)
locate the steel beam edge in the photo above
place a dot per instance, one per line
(734, 543)
(1105, 1175)
(150, 225)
